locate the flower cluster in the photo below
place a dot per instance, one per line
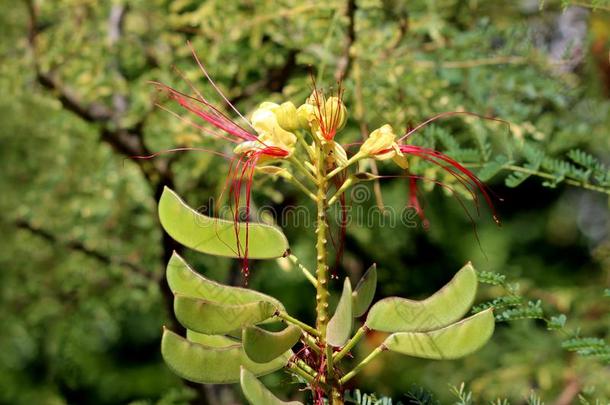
(279, 137)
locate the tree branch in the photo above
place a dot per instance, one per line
(80, 247)
(345, 62)
(274, 79)
(128, 142)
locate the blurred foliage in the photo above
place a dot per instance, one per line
(82, 257)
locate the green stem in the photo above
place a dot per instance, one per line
(571, 182)
(302, 169)
(311, 342)
(330, 367)
(358, 156)
(305, 367)
(351, 343)
(537, 173)
(301, 373)
(304, 144)
(304, 269)
(362, 364)
(300, 185)
(298, 323)
(346, 184)
(321, 230)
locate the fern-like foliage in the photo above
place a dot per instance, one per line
(420, 396)
(518, 161)
(360, 398)
(464, 397)
(512, 306)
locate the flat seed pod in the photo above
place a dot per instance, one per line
(183, 280)
(340, 325)
(444, 307)
(211, 365)
(256, 393)
(364, 292)
(217, 319)
(218, 236)
(452, 342)
(210, 340)
(262, 346)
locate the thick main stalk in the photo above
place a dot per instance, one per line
(321, 259)
(322, 275)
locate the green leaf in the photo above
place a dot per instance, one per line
(451, 342)
(263, 346)
(491, 168)
(444, 307)
(257, 394)
(210, 340)
(183, 280)
(557, 322)
(216, 319)
(340, 325)
(365, 291)
(211, 365)
(218, 236)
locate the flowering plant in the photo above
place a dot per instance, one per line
(228, 338)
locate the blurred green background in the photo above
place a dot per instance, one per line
(82, 257)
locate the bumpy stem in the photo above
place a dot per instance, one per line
(322, 271)
(322, 266)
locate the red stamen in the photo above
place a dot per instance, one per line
(448, 114)
(414, 202)
(431, 155)
(328, 125)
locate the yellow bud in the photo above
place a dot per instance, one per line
(381, 139)
(323, 116)
(270, 133)
(335, 113)
(286, 114)
(306, 115)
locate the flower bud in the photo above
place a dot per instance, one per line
(323, 116)
(270, 133)
(335, 113)
(287, 118)
(306, 115)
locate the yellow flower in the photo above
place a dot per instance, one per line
(286, 114)
(381, 145)
(379, 140)
(270, 133)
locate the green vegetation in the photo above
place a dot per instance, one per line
(83, 283)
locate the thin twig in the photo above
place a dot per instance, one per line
(80, 247)
(308, 275)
